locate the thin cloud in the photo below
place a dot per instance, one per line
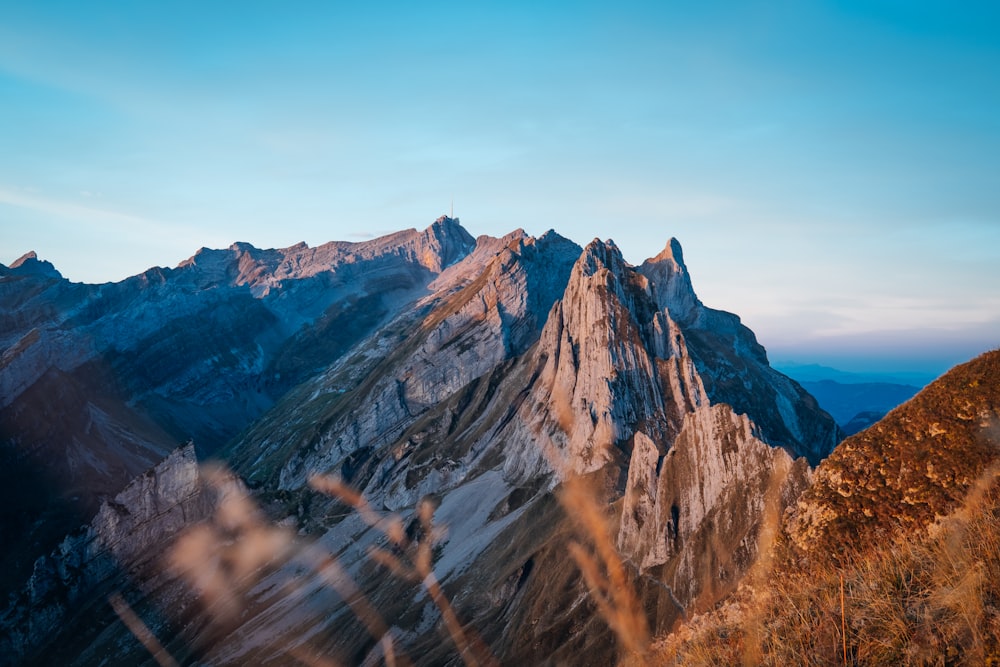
(67, 209)
(106, 218)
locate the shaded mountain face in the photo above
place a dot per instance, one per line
(479, 376)
(100, 382)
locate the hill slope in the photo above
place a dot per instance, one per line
(914, 465)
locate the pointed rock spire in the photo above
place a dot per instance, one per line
(30, 255)
(672, 283)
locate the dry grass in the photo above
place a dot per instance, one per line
(930, 597)
(141, 631)
(410, 560)
(604, 570)
(929, 600)
(222, 558)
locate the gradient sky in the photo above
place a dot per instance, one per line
(831, 169)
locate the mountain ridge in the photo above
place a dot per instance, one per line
(493, 371)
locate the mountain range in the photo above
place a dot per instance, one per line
(427, 446)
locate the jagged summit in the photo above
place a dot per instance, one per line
(30, 255)
(440, 245)
(671, 251)
(672, 283)
(447, 227)
(447, 242)
(599, 255)
(29, 264)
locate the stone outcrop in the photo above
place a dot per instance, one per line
(692, 518)
(126, 532)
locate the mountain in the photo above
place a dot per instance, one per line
(100, 382)
(855, 400)
(817, 373)
(914, 465)
(427, 373)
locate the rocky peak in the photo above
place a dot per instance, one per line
(446, 242)
(239, 264)
(600, 378)
(28, 264)
(629, 349)
(440, 245)
(599, 255)
(672, 283)
(31, 255)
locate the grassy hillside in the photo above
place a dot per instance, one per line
(933, 599)
(911, 467)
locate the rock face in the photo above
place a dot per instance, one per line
(479, 376)
(126, 530)
(692, 519)
(100, 382)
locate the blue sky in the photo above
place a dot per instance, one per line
(831, 169)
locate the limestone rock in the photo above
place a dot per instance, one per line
(693, 517)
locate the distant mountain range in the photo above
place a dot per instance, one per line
(818, 373)
(856, 406)
(435, 448)
(854, 400)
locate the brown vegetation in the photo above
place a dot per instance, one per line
(892, 556)
(932, 600)
(903, 472)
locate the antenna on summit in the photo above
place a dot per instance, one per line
(452, 215)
